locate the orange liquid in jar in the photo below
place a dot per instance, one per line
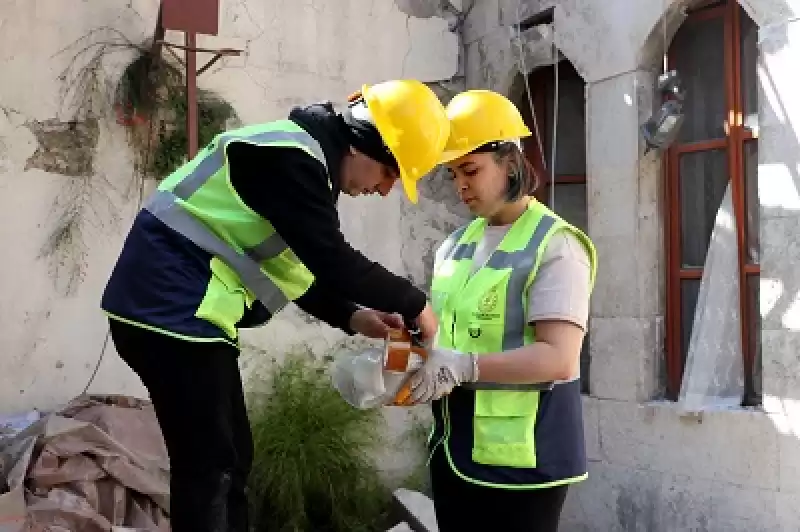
(403, 357)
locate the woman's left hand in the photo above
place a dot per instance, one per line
(443, 370)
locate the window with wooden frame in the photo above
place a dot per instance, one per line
(715, 53)
(569, 191)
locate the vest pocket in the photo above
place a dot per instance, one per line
(504, 428)
(225, 299)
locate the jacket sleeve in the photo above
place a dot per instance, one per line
(321, 304)
(256, 316)
(290, 189)
(328, 307)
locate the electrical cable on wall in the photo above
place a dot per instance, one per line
(139, 203)
(517, 34)
(664, 8)
(555, 123)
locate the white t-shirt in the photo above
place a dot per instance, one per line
(560, 290)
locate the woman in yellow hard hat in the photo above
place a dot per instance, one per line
(511, 292)
(230, 238)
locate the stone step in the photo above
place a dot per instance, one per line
(416, 509)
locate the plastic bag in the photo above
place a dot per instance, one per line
(376, 377)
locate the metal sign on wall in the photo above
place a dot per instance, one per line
(191, 16)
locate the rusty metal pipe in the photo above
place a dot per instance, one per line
(191, 93)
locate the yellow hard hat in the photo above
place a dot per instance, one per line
(480, 116)
(412, 123)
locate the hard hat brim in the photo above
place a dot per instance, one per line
(452, 155)
(410, 187)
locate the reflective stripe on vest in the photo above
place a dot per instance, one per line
(164, 205)
(486, 311)
(214, 161)
(521, 264)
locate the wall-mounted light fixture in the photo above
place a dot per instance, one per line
(661, 130)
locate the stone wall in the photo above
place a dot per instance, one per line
(653, 467)
(70, 190)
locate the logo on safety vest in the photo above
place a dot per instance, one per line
(488, 302)
(474, 332)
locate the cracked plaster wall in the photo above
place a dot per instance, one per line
(71, 188)
(653, 467)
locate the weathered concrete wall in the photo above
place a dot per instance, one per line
(652, 467)
(70, 191)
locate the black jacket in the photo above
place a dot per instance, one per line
(290, 189)
(161, 277)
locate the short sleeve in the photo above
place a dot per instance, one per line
(561, 288)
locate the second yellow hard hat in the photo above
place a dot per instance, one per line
(479, 116)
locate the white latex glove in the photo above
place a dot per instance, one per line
(443, 370)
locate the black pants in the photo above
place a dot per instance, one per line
(461, 505)
(196, 390)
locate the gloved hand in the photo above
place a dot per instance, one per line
(443, 370)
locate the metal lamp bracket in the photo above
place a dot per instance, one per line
(218, 53)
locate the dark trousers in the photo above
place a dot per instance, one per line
(196, 390)
(461, 505)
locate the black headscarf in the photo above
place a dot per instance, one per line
(364, 136)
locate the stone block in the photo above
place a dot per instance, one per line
(780, 354)
(490, 63)
(623, 357)
(685, 503)
(616, 290)
(591, 428)
(419, 8)
(743, 508)
(617, 498)
(613, 153)
(780, 254)
(778, 179)
(417, 510)
(778, 57)
(771, 12)
(513, 11)
(734, 446)
(650, 236)
(789, 453)
(433, 52)
(591, 505)
(787, 511)
(483, 18)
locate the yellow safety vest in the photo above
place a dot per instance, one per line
(493, 434)
(251, 261)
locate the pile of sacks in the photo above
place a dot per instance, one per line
(97, 465)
